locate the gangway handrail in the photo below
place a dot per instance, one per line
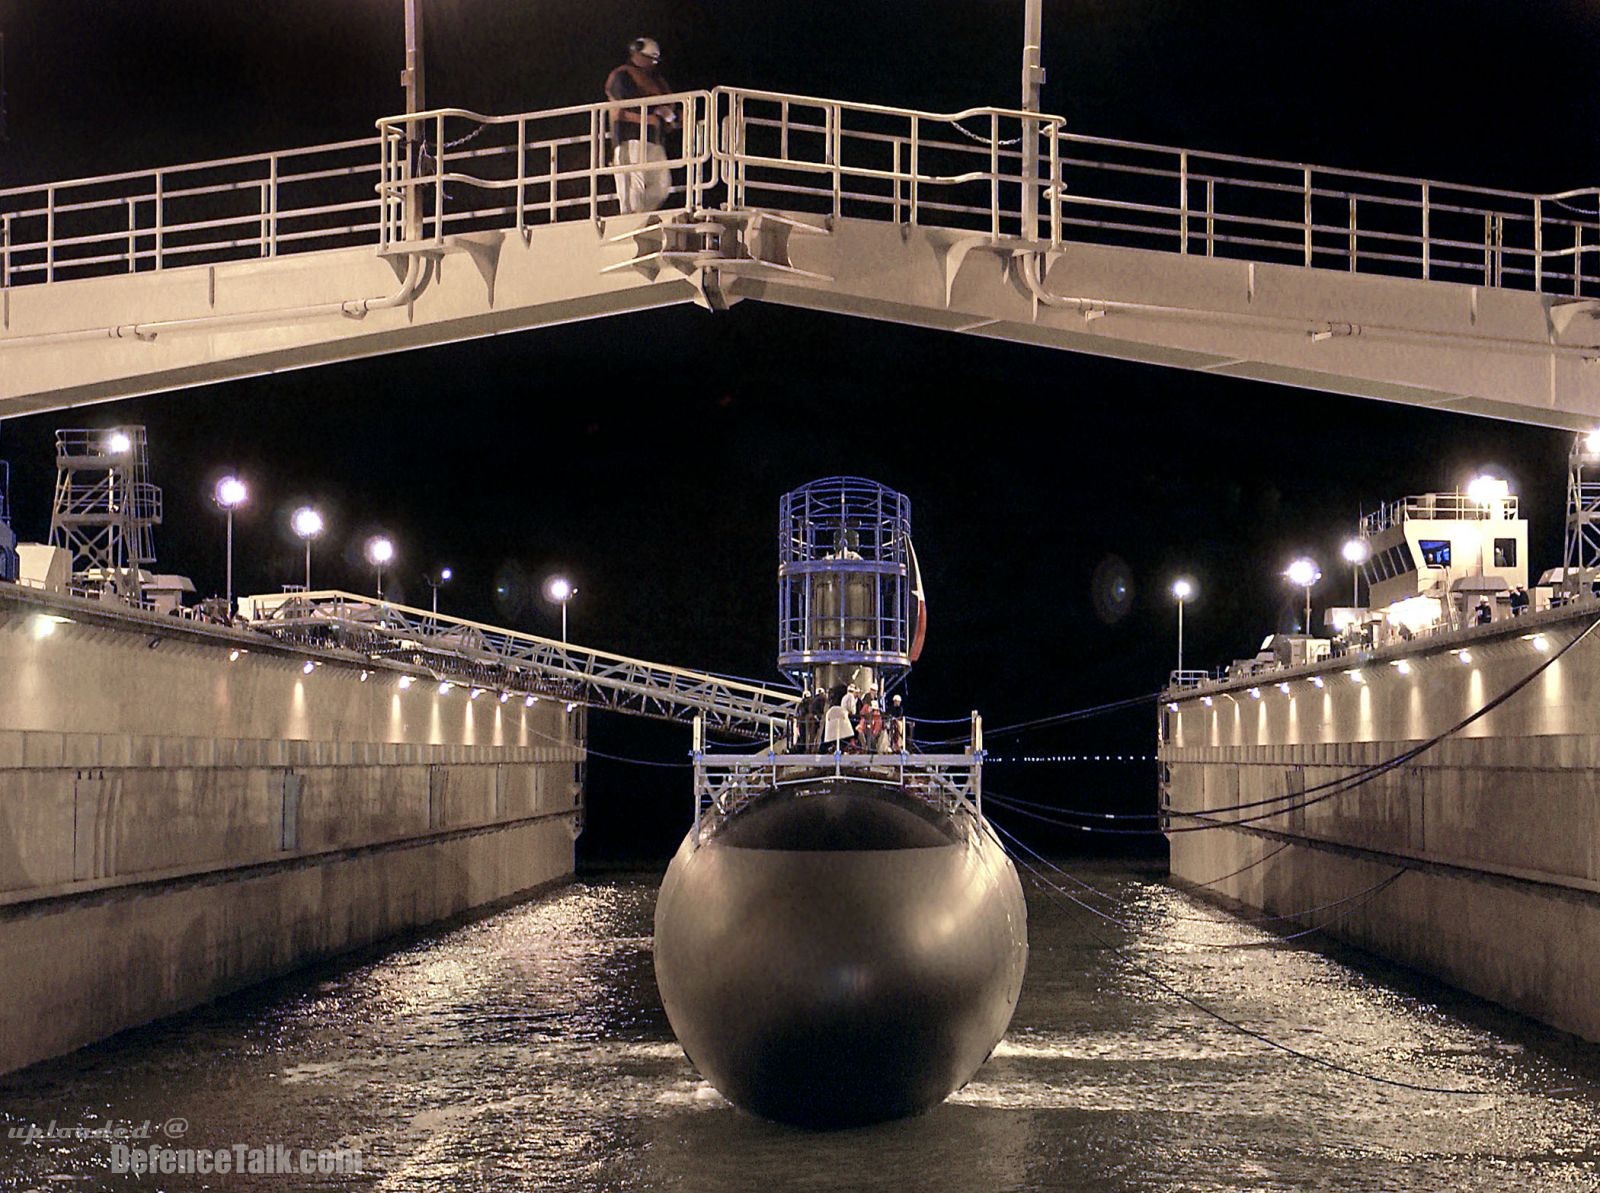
(381, 628)
(901, 165)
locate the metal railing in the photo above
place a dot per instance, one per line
(203, 213)
(725, 783)
(452, 170)
(1448, 507)
(965, 170)
(497, 661)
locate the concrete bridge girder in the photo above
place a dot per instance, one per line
(1503, 353)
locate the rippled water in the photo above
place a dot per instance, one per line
(529, 1050)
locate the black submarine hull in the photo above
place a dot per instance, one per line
(840, 954)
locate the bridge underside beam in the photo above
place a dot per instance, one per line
(1502, 353)
(101, 339)
(1508, 354)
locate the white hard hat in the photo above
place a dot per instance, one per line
(646, 46)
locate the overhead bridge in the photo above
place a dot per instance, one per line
(449, 225)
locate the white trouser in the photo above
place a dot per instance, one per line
(641, 190)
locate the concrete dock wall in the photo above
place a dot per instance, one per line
(185, 810)
(1497, 825)
(1529, 946)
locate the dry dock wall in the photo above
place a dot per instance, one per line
(176, 823)
(1496, 827)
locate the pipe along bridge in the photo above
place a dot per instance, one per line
(450, 224)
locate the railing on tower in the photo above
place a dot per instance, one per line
(755, 148)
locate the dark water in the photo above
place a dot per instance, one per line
(527, 1050)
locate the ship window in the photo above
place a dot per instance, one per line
(1505, 553)
(1404, 561)
(1436, 552)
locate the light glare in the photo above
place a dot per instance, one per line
(1303, 572)
(1487, 489)
(307, 522)
(231, 492)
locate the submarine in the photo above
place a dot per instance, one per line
(840, 939)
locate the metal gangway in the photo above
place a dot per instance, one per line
(505, 664)
(449, 224)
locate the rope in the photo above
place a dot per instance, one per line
(1226, 919)
(1335, 1066)
(1056, 718)
(1333, 787)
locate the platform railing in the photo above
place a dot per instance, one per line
(453, 170)
(1450, 507)
(493, 660)
(724, 781)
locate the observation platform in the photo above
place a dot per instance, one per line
(1432, 293)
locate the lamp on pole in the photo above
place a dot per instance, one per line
(380, 553)
(1182, 590)
(437, 582)
(307, 524)
(561, 590)
(1304, 573)
(1355, 552)
(229, 495)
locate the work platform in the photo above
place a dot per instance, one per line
(450, 225)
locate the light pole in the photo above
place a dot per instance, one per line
(380, 553)
(444, 577)
(230, 494)
(1305, 573)
(561, 590)
(1355, 553)
(1032, 79)
(414, 79)
(1182, 590)
(307, 524)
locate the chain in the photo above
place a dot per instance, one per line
(1573, 207)
(966, 132)
(425, 154)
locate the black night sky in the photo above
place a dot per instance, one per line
(646, 454)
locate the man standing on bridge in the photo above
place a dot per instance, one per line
(637, 141)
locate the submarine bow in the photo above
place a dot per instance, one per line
(841, 939)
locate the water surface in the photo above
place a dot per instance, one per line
(528, 1050)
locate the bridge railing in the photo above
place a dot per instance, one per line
(202, 213)
(451, 170)
(965, 170)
